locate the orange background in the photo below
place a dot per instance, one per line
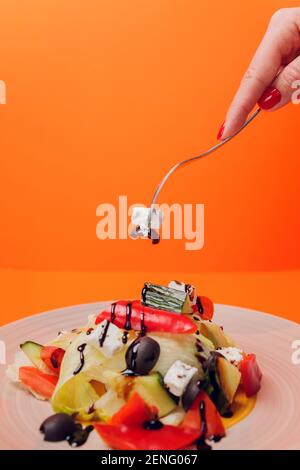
(102, 98)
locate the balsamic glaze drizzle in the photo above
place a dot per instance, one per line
(144, 292)
(80, 349)
(199, 305)
(201, 444)
(104, 333)
(153, 424)
(128, 316)
(143, 326)
(112, 312)
(187, 288)
(127, 325)
(125, 337)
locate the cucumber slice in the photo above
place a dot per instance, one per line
(151, 389)
(33, 351)
(165, 298)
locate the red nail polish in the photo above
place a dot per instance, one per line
(220, 133)
(270, 98)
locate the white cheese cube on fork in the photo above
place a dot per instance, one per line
(145, 218)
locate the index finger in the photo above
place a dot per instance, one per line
(260, 74)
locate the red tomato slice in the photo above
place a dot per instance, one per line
(37, 381)
(214, 426)
(52, 357)
(134, 413)
(251, 375)
(207, 306)
(137, 438)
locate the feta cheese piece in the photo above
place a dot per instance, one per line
(178, 376)
(107, 337)
(20, 360)
(188, 288)
(145, 218)
(233, 355)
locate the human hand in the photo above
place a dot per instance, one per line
(272, 73)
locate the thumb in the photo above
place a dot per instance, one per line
(284, 88)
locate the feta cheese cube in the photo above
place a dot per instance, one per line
(145, 218)
(107, 337)
(178, 376)
(233, 355)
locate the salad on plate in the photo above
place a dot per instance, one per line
(155, 373)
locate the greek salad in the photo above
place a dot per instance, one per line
(147, 374)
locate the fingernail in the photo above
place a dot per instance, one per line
(270, 98)
(220, 133)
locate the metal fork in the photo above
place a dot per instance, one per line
(192, 159)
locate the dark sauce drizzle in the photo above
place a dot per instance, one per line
(201, 442)
(153, 424)
(104, 333)
(89, 331)
(187, 288)
(143, 326)
(127, 325)
(144, 292)
(80, 349)
(113, 312)
(199, 305)
(125, 337)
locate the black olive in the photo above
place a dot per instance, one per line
(142, 355)
(191, 392)
(80, 435)
(58, 427)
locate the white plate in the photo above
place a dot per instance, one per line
(273, 424)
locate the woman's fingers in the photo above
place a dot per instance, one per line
(283, 89)
(259, 75)
(279, 45)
